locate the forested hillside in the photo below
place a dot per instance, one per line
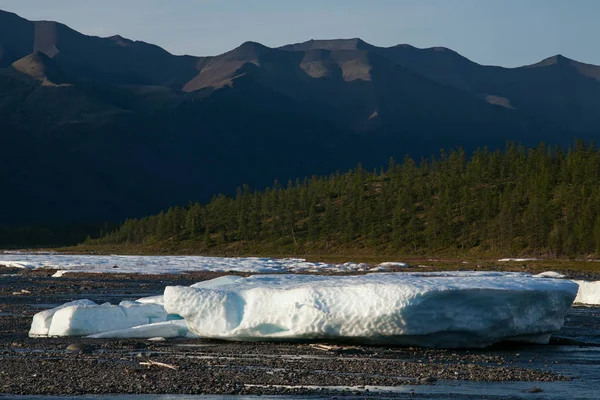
(538, 201)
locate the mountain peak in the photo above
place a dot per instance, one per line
(247, 51)
(41, 68)
(587, 70)
(121, 41)
(557, 59)
(404, 46)
(329, 44)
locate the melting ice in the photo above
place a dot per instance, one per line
(461, 309)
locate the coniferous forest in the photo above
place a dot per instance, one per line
(539, 201)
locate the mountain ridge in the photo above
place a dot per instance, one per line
(114, 128)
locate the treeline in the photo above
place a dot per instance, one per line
(539, 201)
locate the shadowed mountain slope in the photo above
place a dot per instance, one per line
(98, 129)
(111, 60)
(359, 90)
(41, 68)
(557, 91)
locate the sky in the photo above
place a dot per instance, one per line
(508, 32)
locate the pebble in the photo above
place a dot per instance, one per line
(80, 347)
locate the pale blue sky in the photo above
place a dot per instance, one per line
(508, 32)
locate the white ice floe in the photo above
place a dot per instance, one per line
(589, 293)
(517, 259)
(85, 317)
(167, 329)
(221, 281)
(18, 252)
(143, 318)
(550, 274)
(152, 300)
(438, 310)
(168, 264)
(379, 269)
(42, 320)
(15, 264)
(445, 309)
(395, 264)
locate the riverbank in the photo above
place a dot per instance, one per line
(69, 366)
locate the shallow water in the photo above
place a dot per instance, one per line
(583, 324)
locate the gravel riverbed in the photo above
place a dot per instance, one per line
(71, 366)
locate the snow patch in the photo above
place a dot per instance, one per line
(517, 259)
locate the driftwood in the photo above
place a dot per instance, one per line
(322, 347)
(337, 349)
(151, 363)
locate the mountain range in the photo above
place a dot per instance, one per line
(95, 129)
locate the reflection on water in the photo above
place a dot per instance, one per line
(582, 324)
